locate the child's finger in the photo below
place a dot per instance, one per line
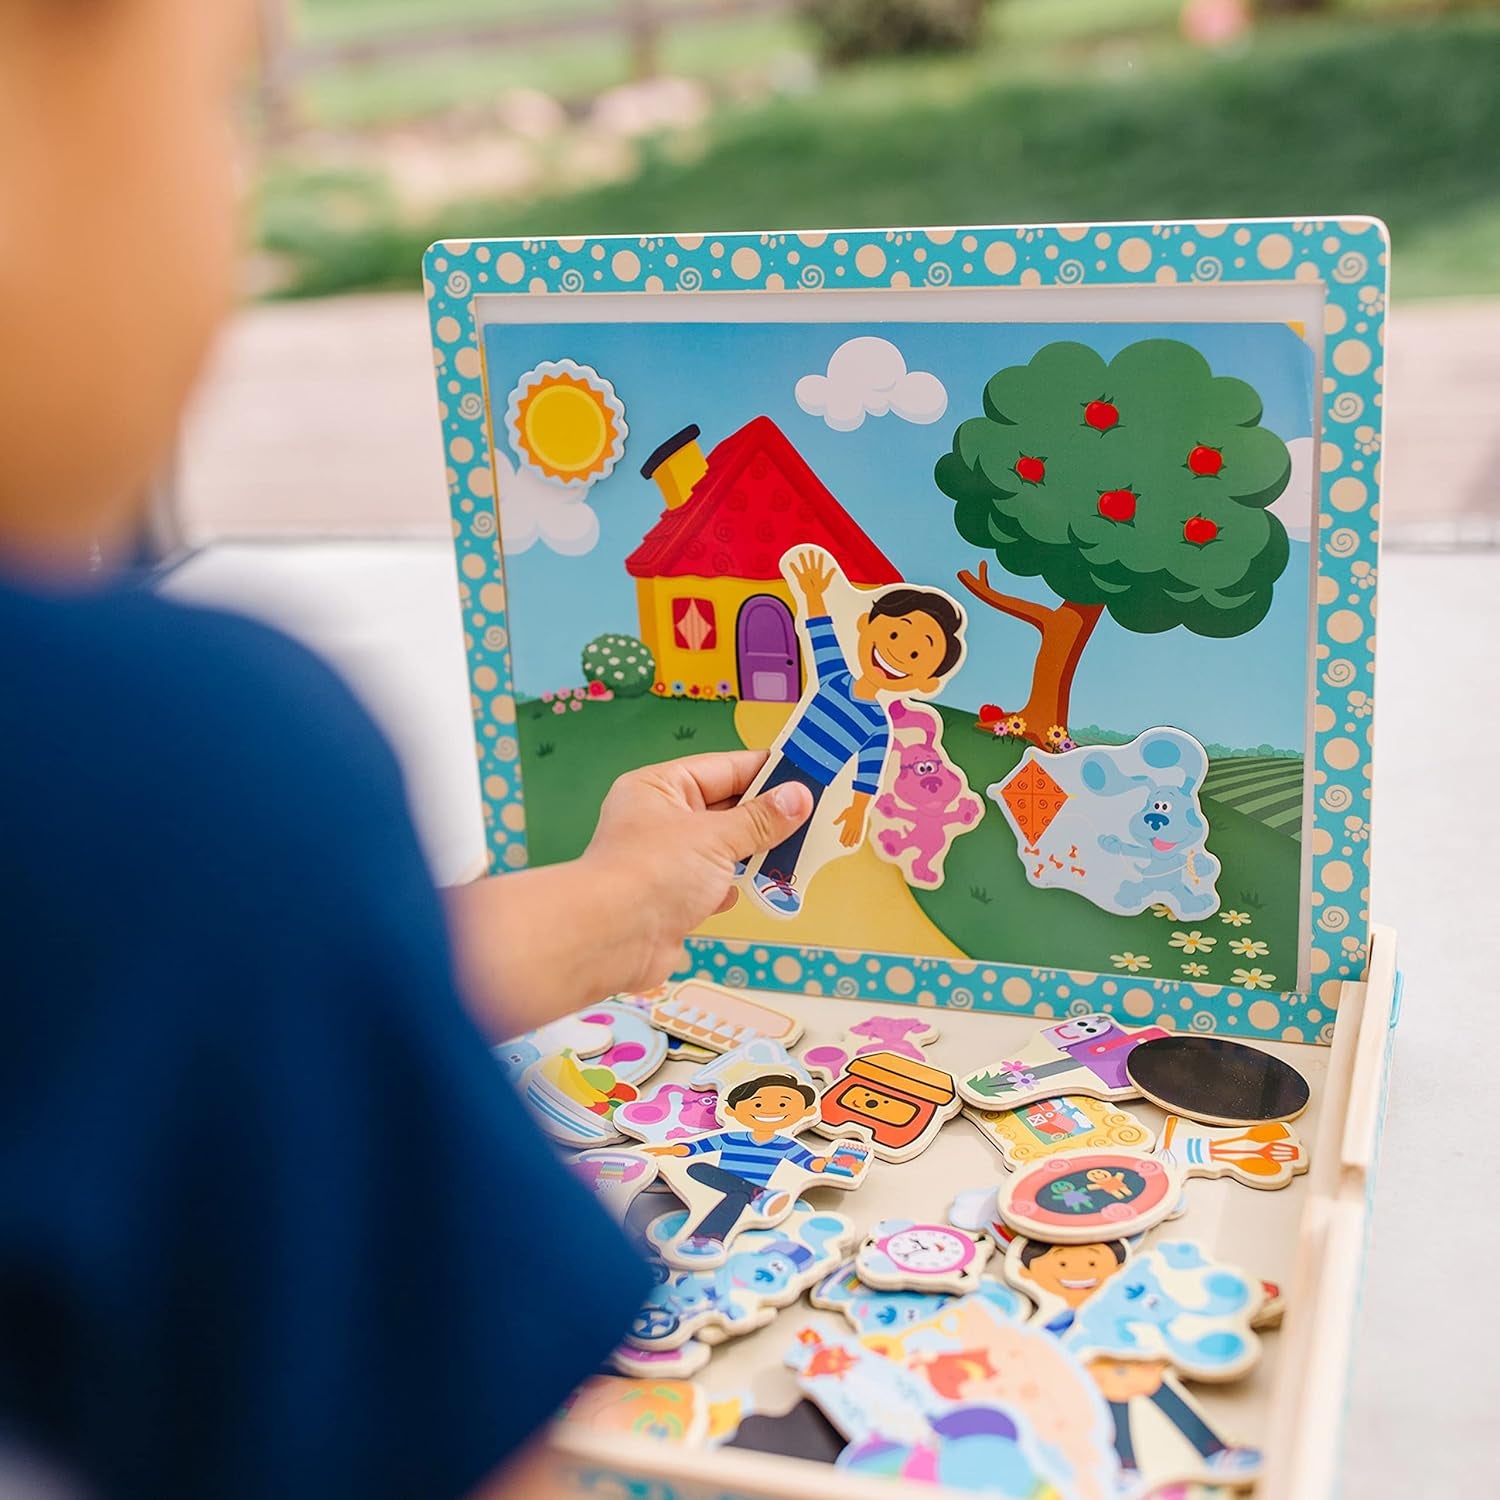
(723, 775)
(760, 824)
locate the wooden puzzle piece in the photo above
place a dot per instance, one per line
(748, 1173)
(1047, 1126)
(575, 1102)
(971, 1351)
(670, 1112)
(906, 1036)
(865, 651)
(927, 803)
(579, 1035)
(681, 1363)
(672, 1411)
(904, 1255)
(967, 1398)
(1081, 1197)
(1268, 1155)
(759, 1055)
(1082, 1055)
(767, 1270)
(869, 1309)
(616, 1178)
(720, 1019)
(1217, 1082)
(1059, 1279)
(636, 1050)
(1120, 825)
(1172, 1303)
(1163, 1438)
(895, 1104)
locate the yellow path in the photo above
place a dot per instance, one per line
(858, 901)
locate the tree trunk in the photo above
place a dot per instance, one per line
(1065, 631)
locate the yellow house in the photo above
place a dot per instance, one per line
(715, 611)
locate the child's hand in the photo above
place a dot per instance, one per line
(675, 1149)
(668, 840)
(539, 944)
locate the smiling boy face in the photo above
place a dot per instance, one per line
(1073, 1272)
(773, 1106)
(902, 653)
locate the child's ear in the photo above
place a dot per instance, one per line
(863, 620)
(926, 685)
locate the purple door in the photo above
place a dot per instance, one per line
(767, 651)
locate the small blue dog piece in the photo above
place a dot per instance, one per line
(1121, 825)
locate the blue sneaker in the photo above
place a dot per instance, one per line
(740, 867)
(780, 896)
(1234, 1462)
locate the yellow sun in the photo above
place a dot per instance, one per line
(567, 423)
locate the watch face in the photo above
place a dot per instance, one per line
(928, 1248)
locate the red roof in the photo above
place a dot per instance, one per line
(757, 501)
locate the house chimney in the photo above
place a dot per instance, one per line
(677, 466)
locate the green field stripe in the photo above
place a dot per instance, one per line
(1270, 804)
(1239, 767)
(1250, 782)
(1286, 822)
(1239, 762)
(1261, 774)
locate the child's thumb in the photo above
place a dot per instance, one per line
(761, 824)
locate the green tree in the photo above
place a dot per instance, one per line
(1136, 487)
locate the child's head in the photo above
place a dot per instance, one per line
(774, 1101)
(910, 640)
(1072, 1272)
(117, 192)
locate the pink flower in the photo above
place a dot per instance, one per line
(576, 704)
(598, 690)
(547, 697)
(558, 708)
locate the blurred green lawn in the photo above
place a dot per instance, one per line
(1074, 109)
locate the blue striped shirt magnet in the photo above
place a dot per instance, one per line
(836, 726)
(755, 1161)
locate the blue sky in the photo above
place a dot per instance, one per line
(1238, 692)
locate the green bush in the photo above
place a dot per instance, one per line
(622, 663)
(848, 30)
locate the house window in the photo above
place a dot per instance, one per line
(693, 625)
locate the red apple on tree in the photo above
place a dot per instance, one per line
(1200, 531)
(1102, 414)
(1031, 470)
(1205, 462)
(1142, 578)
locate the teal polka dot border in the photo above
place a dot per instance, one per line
(1347, 257)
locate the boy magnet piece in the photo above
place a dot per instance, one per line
(747, 1174)
(870, 655)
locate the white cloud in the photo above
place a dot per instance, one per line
(1294, 508)
(868, 377)
(533, 509)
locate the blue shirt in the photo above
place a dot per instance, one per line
(755, 1161)
(836, 726)
(272, 1221)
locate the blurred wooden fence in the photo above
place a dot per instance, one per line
(640, 24)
